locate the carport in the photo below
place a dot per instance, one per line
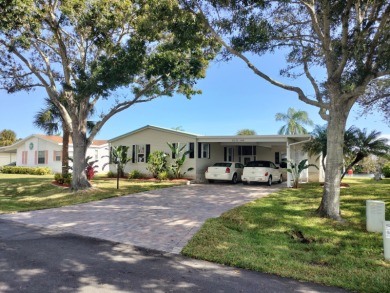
(275, 148)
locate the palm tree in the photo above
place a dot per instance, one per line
(50, 121)
(295, 121)
(317, 146)
(357, 145)
(364, 144)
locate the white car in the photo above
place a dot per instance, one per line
(225, 171)
(261, 171)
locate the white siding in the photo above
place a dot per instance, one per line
(158, 142)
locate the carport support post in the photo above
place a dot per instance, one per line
(288, 166)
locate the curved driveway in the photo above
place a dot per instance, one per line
(163, 219)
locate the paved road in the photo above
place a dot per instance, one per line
(40, 260)
(163, 219)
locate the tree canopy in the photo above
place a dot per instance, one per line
(7, 137)
(339, 46)
(84, 51)
(246, 131)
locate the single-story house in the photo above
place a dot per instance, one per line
(39, 150)
(204, 151)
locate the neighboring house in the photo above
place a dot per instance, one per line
(206, 150)
(46, 151)
(7, 158)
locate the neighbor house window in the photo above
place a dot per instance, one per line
(57, 156)
(41, 157)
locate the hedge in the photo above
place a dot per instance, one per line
(25, 170)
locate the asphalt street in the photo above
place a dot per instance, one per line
(41, 260)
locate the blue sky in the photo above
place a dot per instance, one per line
(233, 98)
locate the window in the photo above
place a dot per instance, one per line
(57, 156)
(140, 153)
(204, 150)
(228, 154)
(41, 157)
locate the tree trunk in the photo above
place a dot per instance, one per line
(79, 179)
(330, 204)
(65, 150)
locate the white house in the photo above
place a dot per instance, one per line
(206, 150)
(39, 150)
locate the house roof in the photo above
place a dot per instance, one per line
(260, 140)
(56, 139)
(155, 128)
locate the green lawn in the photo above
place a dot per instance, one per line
(282, 235)
(32, 192)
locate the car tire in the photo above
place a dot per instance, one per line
(211, 181)
(269, 183)
(234, 179)
(280, 179)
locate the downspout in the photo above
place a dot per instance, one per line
(289, 159)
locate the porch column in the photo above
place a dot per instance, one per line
(288, 165)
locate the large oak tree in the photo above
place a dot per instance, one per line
(347, 40)
(83, 51)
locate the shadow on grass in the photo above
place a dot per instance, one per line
(282, 234)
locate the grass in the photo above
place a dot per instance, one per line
(282, 235)
(20, 193)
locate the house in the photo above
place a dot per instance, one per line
(39, 150)
(204, 151)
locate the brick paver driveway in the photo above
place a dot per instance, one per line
(163, 219)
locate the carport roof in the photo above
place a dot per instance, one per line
(245, 139)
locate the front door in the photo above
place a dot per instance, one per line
(246, 159)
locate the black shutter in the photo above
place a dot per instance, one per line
(239, 150)
(147, 152)
(199, 150)
(254, 150)
(225, 154)
(192, 150)
(174, 145)
(209, 151)
(110, 156)
(133, 154)
(277, 158)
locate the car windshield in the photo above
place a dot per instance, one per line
(258, 164)
(222, 164)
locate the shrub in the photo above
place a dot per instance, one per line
(111, 174)
(66, 179)
(135, 174)
(164, 175)
(386, 170)
(157, 163)
(25, 170)
(58, 178)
